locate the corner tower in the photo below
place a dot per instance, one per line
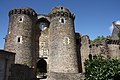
(62, 52)
(21, 37)
(116, 30)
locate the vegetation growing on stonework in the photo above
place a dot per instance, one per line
(98, 68)
(99, 39)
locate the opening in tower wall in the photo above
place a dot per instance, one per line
(62, 20)
(20, 18)
(42, 26)
(42, 69)
(18, 39)
(43, 23)
(61, 7)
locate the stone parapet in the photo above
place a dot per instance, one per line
(117, 42)
(62, 12)
(27, 11)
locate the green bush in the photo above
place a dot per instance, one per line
(102, 69)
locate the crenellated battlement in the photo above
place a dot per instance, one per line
(27, 11)
(117, 42)
(62, 12)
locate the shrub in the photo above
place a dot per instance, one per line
(102, 69)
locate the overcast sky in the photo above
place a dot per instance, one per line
(93, 17)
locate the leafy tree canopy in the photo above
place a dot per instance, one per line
(99, 38)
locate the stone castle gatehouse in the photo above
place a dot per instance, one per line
(47, 46)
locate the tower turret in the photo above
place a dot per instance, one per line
(62, 52)
(116, 30)
(21, 37)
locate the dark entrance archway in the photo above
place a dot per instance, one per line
(42, 68)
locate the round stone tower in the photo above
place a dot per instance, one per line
(21, 35)
(62, 52)
(116, 30)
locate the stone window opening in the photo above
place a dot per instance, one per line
(62, 20)
(19, 39)
(42, 26)
(61, 7)
(90, 56)
(43, 23)
(20, 19)
(66, 40)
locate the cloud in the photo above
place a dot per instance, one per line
(111, 28)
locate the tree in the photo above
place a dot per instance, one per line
(98, 39)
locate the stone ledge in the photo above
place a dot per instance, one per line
(65, 76)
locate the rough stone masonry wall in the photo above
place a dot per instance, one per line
(21, 72)
(85, 50)
(114, 50)
(115, 32)
(98, 49)
(43, 43)
(44, 46)
(6, 60)
(63, 56)
(78, 46)
(66, 76)
(20, 37)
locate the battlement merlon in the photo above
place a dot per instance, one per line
(117, 42)
(62, 12)
(27, 11)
